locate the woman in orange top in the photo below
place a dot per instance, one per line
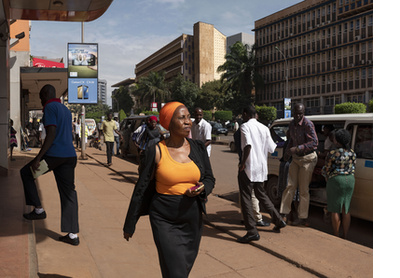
(166, 191)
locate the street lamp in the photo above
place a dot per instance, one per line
(287, 72)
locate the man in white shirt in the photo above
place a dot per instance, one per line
(201, 129)
(256, 143)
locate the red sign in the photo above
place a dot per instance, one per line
(41, 63)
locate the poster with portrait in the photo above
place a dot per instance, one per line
(82, 73)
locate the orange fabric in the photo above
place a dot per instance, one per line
(167, 112)
(172, 177)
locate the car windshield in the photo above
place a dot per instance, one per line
(218, 125)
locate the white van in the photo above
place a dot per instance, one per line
(360, 127)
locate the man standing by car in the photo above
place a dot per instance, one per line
(303, 142)
(201, 129)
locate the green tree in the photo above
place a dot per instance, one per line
(371, 106)
(152, 88)
(239, 73)
(266, 114)
(96, 111)
(123, 100)
(184, 91)
(211, 96)
(350, 107)
(122, 115)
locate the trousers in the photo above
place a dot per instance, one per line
(64, 173)
(246, 187)
(109, 150)
(300, 174)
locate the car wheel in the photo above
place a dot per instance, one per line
(272, 189)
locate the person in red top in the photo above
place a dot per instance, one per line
(301, 148)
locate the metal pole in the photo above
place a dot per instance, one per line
(83, 124)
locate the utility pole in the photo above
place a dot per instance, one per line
(83, 124)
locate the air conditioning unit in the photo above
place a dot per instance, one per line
(369, 62)
(362, 62)
(352, 65)
(323, 23)
(357, 38)
(335, 68)
(328, 45)
(329, 21)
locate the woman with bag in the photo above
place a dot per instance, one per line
(173, 185)
(339, 172)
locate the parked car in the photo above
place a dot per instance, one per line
(217, 129)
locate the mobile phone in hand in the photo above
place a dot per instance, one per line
(197, 188)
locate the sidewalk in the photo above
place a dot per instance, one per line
(104, 194)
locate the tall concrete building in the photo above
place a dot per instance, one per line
(102, 92)
(318, 52)
(196, 57)
(240, 37)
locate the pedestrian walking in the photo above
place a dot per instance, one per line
(254, 200)
(173, 185)
(201, 129)
(59, 154)
(256, 143)
(116, 136)
(13, 139)
(339, 172)
(303, 142)
(108, 127)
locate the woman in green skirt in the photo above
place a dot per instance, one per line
(339, 172)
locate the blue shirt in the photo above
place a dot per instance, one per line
(58, 115)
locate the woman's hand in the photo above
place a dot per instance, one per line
(127, 236)
(193, 191)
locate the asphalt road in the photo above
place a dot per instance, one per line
(225, 162)
(225, 165)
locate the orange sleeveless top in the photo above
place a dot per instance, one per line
(172, 177)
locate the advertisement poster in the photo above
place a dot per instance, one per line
(82, 73)
(287, 110)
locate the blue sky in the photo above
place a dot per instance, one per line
(131, 30)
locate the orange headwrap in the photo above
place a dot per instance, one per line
(167, 112)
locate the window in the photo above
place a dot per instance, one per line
(364, 141)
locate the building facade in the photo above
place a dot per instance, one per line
(240, 37)
(318, 52)
(102, 92)
(196, 57)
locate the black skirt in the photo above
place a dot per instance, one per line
(176, 221)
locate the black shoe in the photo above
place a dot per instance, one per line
(247, 238)
(67, 239)
(262, 223)
(301, 222)
(34, 216)
(278, 226)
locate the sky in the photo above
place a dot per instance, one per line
(131, 30)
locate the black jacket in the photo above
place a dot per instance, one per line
(145, 187)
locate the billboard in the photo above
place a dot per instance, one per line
(82, 73)
(287, 108)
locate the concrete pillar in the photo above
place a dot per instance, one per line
(4, 101)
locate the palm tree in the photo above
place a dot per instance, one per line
(152, 87)
(239, 70)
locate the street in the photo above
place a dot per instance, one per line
(225, 162)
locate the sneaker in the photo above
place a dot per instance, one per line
(67, 239)
(34, 216)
